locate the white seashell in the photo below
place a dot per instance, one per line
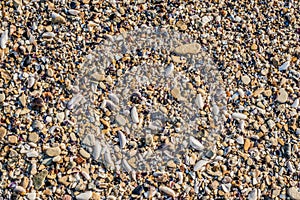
(200, 164)
(284, 66)
(296, 103)
(126, 166)
(86, 175)
(196, 144)
(134, 115)
(199, 101)
(238, 116)
(169, 70)
(84, 196)
(96, 150)
(167, 191)
(31, 81)
(122, 139)
(4, 39)
(114, 98)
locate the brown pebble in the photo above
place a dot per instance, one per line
(247, 144)
(12, 139)
(3, 132)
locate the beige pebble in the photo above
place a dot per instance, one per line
(84, 153)
(2, 97)
(192, 48)
(33, 137)
(253, 47)
(283, 96)
(12, 139)
(294, 193)
(246, 79)
(3, 132)
(53, 151)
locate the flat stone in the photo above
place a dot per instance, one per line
(192, 48)
(294, 193)
(246, 79)
(31, 196)
(3, 132)
(32, 154)
(283, 96)
(39, 179)
(240, 140)
(33, 137)
(64, 180)
(60, 117)
(2, 97)
(89, 140)
(53, 151)
(252, 195)
(12, 139)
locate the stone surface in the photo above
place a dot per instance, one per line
(53, 151)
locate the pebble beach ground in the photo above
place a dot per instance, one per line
(44, 46)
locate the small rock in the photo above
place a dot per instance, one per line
(2, 97)
(296, 103)
(84, 153)
(252, 195)
(200, 164)
(53, 151)
(283, 96)
(3, 39)
(60, 117)
(12, 139)
(120, 120)
(39, 179)
(138, 190)
(84, 196)
(31, 196)
(134, 115)
(25, 182)
(50, 72)
(48, 35)
(294, 193)
(23, 100)
(239, 116)
(246, 79)
(284, 66)
(33, 137)
(89, 140)
(3, 132)
(57, 18)
(206, 19)
(64, 180)
(192, 48)
(20, 189)
(167, 191)
(254, 47)
(67, 197)
(240, 140)
(32, 154)
(247, 144)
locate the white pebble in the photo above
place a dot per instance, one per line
(196, 144)
(4, 39)
(200, 165)
(84, 196)
(238, 116)
(199, 101)
(284, 66)
(134, 115)
(296, 103)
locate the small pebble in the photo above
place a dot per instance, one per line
(84, 195)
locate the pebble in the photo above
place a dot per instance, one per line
(53, 151)
(57, 18)
(33, 137)
(12, 139)
(32, 154)
(120, 120)
(84, 196)
(283, 96)
(240, 140)
(122, 139)
(200, 165)
(2, 97)
(239, 116)
(296, 103)
(192, 48)
(84, 153)
(20, 189)
(294, 193)
(31, 196)
(284, 66)
(39, 179)
(246, 79)
(167, 191)
(247, 144)
(3, 132)
(134, 115)
(4, 39)
(253, 195)
(196, 144)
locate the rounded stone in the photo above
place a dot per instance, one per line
(53, 151)
(33, 137)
